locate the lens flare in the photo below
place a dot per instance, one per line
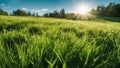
(83, 11)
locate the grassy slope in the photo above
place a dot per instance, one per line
(47, 42)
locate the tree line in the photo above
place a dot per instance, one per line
(19, 12)
(56, 14)
(112, 10)
(3, 12)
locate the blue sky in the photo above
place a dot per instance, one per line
(43, 6)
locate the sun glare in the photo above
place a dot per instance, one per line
(83, 9)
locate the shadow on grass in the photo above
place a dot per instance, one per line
(113, 19)
(68, 29)
(15, 26)
(2, 27)
(10, 42)
(34, 30)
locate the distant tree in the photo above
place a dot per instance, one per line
(37, 15)
(3, 12)
(11, 14)
(62, 13)
(55, 14)
(117, 10)
(93, 12)
(29, 13)
(71, 16)
(112, 9)
(51, 15)
(46, 15)
(33, 14)
(101, 10)
(19, 13)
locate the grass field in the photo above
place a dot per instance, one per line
(31, 42)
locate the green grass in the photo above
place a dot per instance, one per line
(29, 42)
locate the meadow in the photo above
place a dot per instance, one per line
(35, 42)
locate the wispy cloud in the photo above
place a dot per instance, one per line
(43, 10)
(39, 11)
(4, 6)
(24, 9)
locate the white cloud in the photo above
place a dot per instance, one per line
(43, 10)
(35, 10)
(24, 8)
(2, 4)
(39, 10)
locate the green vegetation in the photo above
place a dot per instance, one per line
(3, 12)
(114, 19)
(56, 14)
(20, 12)
(112, 10)
(30, 42)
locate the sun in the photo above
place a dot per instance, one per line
(82, 9)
